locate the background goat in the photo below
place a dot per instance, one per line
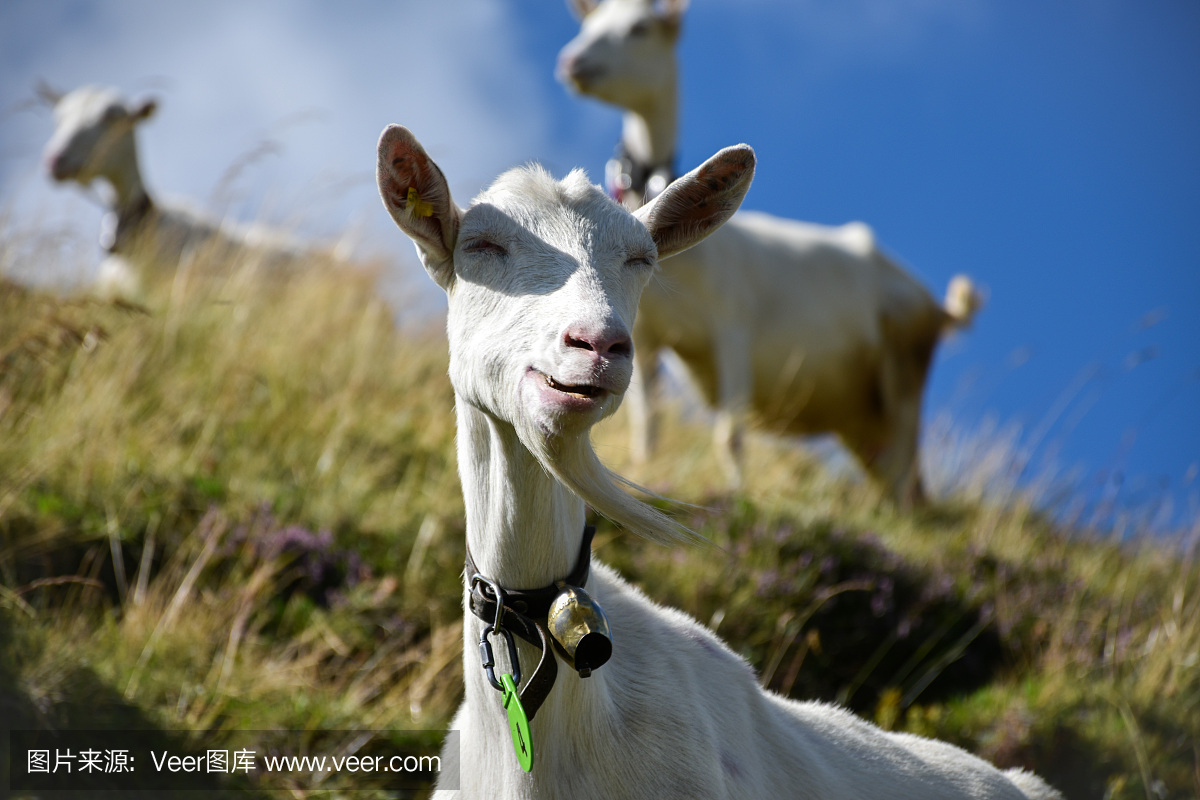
(543, 279)
(94, 137)
(816, 329)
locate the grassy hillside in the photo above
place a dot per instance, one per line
(233, 508)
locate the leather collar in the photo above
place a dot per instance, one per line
(119, 227)
(524, 612)
(623, 173)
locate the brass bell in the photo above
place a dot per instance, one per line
(580, 630)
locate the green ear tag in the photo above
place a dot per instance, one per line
(518, 723)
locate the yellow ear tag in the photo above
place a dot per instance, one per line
(416, 206)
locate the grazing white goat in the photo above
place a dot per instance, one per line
(94, 138)
(814, 330)
(543, 279)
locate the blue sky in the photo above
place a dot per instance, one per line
(1050, 150)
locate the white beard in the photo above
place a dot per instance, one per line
(571, 460)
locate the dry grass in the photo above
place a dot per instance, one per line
(233, 507)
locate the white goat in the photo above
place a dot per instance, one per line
(815, 330)
(94, 138)
(543, 279)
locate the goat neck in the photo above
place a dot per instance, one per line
(649, 130)
(524, 528)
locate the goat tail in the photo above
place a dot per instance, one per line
(963, 301)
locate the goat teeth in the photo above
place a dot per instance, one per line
(583, 390)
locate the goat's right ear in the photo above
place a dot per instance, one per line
(695, 205)
(416, 194)
(144, 110)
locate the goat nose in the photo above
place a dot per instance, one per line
(611, 341)
(566, 65)
(56, 165)
(574, 67)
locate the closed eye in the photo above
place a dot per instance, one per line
(643, 262)
(484, 247)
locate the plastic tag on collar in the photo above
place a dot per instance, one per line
(518, 723)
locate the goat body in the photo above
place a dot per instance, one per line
(813, 330)
(807, 328)
(94, 138)
(543, 280)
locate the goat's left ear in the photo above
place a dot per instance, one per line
(416, 194)
(697, 204)
(47, 93)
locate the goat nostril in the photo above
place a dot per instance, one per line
(582, 344)
(608, 343)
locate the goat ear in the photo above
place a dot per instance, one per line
(144, 110)
(581, 8)
(697, 204)
(416, 194)
(671, 12)
(47, 93)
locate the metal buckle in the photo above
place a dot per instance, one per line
(485, 647)
(489, 659)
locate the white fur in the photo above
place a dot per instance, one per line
(94, 137)
(543, 278)
(808, 328)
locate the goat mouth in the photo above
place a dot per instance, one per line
(579, 390)
(61, 172)
(579, 77)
